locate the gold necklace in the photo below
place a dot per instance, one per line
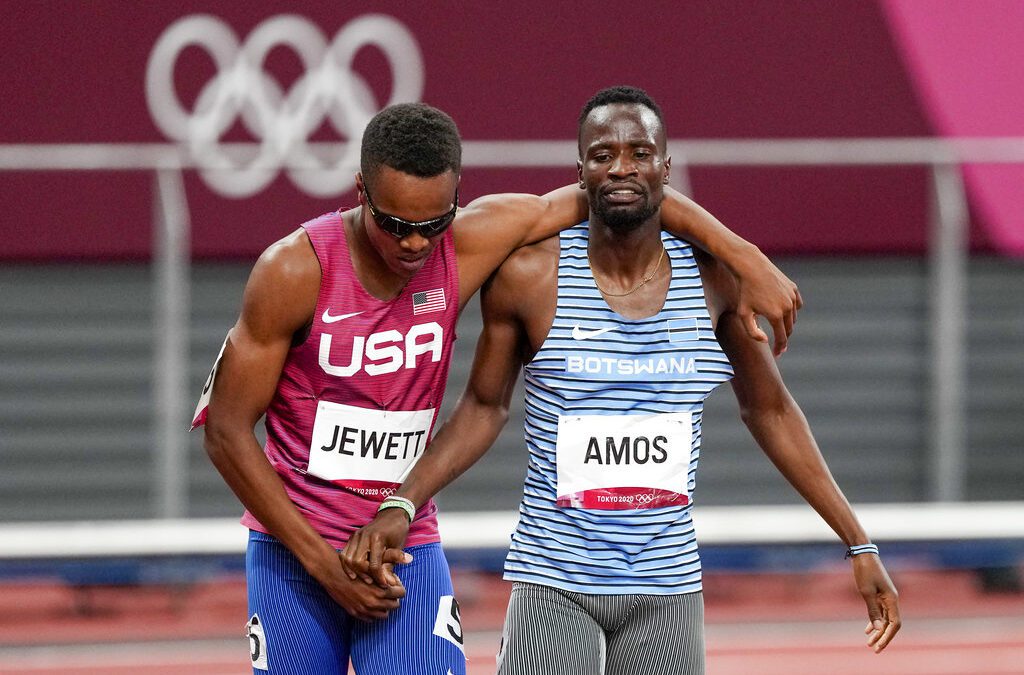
(643, 282)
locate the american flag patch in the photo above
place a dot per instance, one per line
(428, 301)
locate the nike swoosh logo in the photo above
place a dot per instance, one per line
(327, 318)
(578, 334)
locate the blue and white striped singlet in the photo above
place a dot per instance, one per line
(621, 399)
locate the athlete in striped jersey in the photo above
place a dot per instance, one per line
(623, 333)
(344, 341)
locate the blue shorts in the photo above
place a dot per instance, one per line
(295, 626)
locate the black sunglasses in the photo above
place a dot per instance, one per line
(401, 228)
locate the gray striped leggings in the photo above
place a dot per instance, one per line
(554, 632)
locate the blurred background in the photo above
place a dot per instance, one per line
(873, 148)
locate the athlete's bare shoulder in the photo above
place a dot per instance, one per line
(534, 262)
(291, 257)
(525, 289)
(720, 288)
(282, 290)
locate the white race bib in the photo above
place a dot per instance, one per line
(199, 416)
(356, 445)
(623, 461)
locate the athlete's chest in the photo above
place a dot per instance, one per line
(354, 335)
(603, 350)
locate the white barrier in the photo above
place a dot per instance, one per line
(716, 525)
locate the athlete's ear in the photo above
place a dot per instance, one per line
(579, 174)
(359, 186)
(668, 167)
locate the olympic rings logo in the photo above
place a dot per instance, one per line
(644, 498)
(387, 491)
(281, 120)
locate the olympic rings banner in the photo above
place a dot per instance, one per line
(269, 98)
(328, 90)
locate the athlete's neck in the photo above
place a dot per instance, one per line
(624, 255)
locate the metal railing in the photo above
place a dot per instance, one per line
(947, 255)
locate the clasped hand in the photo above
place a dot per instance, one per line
(373, 550)
(359, 595)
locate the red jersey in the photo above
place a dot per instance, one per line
(357, 400)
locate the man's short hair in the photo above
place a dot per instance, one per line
(620, 94)
(413, 138)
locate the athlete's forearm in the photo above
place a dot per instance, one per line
(240, 460)
(786, 439)
(561, 209)
(763, 288)
(461, 441)
(688, 220)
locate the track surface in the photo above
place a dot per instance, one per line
(763, 625)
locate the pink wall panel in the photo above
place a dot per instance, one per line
(966, 60)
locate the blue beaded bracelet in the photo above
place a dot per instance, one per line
(861, 549)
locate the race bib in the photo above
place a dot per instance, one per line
(362, 446)
(199, 416)
(623, 461)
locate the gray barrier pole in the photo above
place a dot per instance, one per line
(948, 254)
(171, 258)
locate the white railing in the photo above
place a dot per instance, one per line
(960, 523)
(947, 255)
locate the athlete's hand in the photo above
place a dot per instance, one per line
(364, 601)
(367, 602)
(881, 597)
(765, 290)
(372, 550)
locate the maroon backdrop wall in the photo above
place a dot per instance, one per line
(75, 72)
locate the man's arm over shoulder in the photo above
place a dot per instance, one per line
(763, 288)
(488, 229)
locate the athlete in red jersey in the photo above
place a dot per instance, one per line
(377, 371)
(343, 341)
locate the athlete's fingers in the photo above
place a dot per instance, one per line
(893, 623)
(371, 603)
(749, 320)
(788, 319)
(389, 598)
(348, 556)
(886, 637)
(390, 576)
(799, 300)
(383, 602)
(875, 620)
(377, 612)
(392, 556)
(345, 568)
(396, 556)
(883, 621)
(396, 592)
(781, 336)
(877, 628)
(375, 560)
